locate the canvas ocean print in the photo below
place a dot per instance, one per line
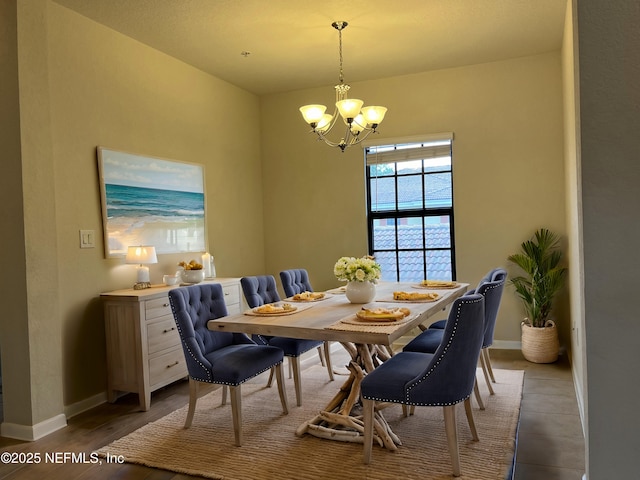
(150, 201)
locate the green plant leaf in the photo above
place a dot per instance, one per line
(542, 275)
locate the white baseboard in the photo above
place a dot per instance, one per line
(84, 405)
(31, 433)
(507, 345)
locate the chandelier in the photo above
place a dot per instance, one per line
(359, 121)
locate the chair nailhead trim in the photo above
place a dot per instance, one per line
(209, 378)
(204, 367)
(433, 368)
(235, 384)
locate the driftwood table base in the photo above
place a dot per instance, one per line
(341, 419)
(368, 347)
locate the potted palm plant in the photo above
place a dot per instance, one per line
(541, 278)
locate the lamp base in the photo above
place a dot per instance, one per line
(141, 285)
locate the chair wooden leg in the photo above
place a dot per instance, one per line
(236, 413)
(412, 410)
(297, 381)
(472, 423)
(483, 364)
(476, 392)
(327, 356)
(451, 429)
(321, 356)
(367, 418)
(281, 389)
(224, 394)
(193, 398)
(270, 381)
(487, 358)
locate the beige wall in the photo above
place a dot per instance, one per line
(40, 261)
(609, 120)
(12, 252)
(109, 90)
(508, 168)
(84, 85)
(574, 205)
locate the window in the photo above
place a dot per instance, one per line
(410, 208)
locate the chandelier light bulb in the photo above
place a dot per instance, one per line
(358, 124)
(349, 108)
(373, 115)
(324, 123)
(312, 114)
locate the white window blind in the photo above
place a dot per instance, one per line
(406, 149)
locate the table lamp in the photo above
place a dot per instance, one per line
(142, 254)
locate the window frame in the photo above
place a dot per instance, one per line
(397, 214)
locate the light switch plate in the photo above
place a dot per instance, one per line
(87, 238)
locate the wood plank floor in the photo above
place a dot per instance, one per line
(91, 430)
(102, 425)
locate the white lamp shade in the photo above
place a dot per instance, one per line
(312, 114)
(324, 123)
(358, 124)
(141, 254)
(374, 114)
(349, 107)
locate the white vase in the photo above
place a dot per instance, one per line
(192, 276)
(360, 292)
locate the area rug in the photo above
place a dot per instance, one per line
(271, 450)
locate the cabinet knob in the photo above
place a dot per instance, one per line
(165, 305)
(173, 364)
(168, 330)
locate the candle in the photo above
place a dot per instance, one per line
(206, 264)
(213, 268)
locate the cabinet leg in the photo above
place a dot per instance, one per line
(112, 396)
(145, 400)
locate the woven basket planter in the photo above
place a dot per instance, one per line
(540, 344)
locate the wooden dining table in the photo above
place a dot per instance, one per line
(333, 318)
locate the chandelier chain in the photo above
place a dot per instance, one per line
(340, 49)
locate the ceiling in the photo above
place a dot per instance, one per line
(293, 46)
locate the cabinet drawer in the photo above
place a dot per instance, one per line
(167, 367)
(233, 309)
(143, 347)
(157, 307)
(231, 294)
(162, 334)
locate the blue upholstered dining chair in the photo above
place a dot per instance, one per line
(296, 281)
(260, 290)
(498, 275)
(490, 276)
(429, 340)
(491, 311)
(225, 358)
(444, 378)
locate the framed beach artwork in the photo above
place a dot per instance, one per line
(151, 201)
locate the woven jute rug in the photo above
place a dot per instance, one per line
(271, 450)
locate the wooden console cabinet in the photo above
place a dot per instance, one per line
(143, 346)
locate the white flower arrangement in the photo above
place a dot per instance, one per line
(352, 269)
